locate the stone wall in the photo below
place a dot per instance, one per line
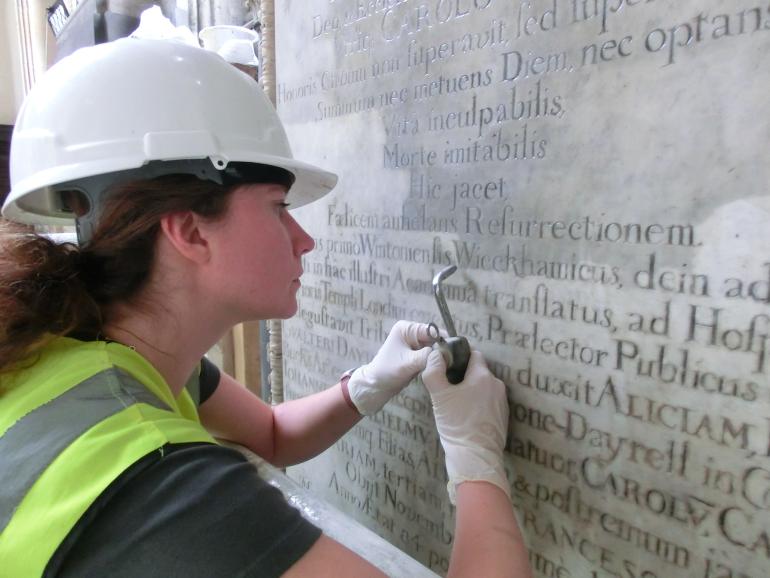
(598, 171)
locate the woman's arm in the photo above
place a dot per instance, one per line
(298, 430)
(472, 420)
(287, 434)
(488, 541)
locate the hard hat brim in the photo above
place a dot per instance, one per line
(33, 201)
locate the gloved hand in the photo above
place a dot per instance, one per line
(472, 421)
(398, 361)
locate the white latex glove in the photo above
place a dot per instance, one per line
(472, 420)
(398, 362)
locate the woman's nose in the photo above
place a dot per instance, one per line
(302, 242)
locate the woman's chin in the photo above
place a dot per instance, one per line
(287, 313)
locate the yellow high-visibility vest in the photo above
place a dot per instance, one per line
(72, 420)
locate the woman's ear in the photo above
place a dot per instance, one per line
(183, 231)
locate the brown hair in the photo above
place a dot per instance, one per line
(49, 289)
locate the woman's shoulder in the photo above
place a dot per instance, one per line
(51, 358)
(201, 506)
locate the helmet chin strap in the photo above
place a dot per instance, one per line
(84, 228)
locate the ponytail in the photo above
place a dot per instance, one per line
(41, 292)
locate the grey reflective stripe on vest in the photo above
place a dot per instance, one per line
(32, 443)
(193, 386)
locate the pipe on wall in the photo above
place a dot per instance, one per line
(267, 78)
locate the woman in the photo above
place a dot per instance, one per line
(179, 176)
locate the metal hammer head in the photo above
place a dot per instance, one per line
(441, 301)
(441, 275)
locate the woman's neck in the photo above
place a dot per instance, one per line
(173, 343)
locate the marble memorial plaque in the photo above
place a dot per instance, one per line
(598, 171)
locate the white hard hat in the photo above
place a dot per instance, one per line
(239, 52)
(138, 107)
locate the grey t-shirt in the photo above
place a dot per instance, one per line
(189, 511)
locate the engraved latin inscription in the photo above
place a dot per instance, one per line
(597, 169)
